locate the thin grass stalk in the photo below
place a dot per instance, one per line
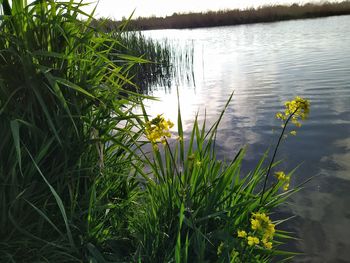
(274, 155)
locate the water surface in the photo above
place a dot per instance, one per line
(265, 65)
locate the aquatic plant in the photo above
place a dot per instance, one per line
(163, 64)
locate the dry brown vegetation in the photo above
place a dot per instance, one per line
(236, 17)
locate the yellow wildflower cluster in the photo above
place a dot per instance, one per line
(158, 129)
(266, 228)
(282, 177)
(296, 109)
(263, 231)
(293, 133)
(253, 240)
(242, 233)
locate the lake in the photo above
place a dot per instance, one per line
(265, 65)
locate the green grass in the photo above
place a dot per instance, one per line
(77, 183)
(194, 203)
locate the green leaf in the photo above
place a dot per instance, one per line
(58, 201)
(73, 86)
(97, 256)
(16, 139)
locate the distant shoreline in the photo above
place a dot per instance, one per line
(231, 17)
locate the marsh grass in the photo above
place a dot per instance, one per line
(157, 70)
(161, 63)
(164, 64)
(237, 17)
(64, 159)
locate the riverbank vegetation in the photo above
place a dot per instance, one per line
(164, 64)
(236, 17)
(84, 177)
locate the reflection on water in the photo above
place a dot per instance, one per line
(265, 65)
(161, 66)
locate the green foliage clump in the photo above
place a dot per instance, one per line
(196, 208)
(62, 107)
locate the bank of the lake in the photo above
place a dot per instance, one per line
(234, 17)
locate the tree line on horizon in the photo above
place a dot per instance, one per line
(228, 17)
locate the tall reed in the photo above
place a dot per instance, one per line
(161, 63)
(63, 159)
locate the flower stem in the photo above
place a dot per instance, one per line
(274, 155)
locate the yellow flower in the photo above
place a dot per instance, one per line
(241, 233)
(281, 176)
(253, 241)
(263, 217)
(255, 224)
(263, 225)
(286, 187)
(293, 133)
(280, 116)
(267, 244)
(296, 109)
(259, 221)
(269, 231)
(158, 129)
